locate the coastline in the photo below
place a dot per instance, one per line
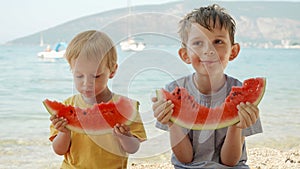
(258, 158)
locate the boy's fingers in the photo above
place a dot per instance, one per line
(158, 103)
(52, 117)
(244, 115)
(116, 130)
(154, 99)
(126, 128)
(167, 117)
(58, 124)
(254, 109)
(251, 113)
(162, 108)
(122, 130)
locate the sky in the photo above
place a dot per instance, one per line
(19, 18)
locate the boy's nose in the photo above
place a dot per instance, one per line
(208, 49)
(209, 52)
(88, 81)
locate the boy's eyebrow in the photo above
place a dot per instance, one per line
(220, 36)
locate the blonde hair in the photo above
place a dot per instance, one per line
(92, 44)
(208, 17)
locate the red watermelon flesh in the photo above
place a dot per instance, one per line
(99, 119)
(190, 114)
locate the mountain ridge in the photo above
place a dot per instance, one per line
(264, 23)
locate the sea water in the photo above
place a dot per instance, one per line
(27, 80)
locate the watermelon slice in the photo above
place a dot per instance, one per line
(99, 119)
(190, 114)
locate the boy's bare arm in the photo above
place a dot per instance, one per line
(181, 144)
(62, 141)
(232, 148)
(129, 143)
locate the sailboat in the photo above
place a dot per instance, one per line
(130, 44)
(41, 40)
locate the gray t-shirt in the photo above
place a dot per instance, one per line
(207, 143)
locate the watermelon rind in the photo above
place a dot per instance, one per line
(134, 104)
(262, 93)
(50, 111)
(205, 126)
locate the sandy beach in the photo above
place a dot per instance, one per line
(258, 158)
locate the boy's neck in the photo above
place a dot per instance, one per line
(104, 96)
(209, 84)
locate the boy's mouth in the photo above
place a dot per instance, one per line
(209, 62)
(87, 92)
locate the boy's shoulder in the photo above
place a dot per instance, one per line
(71, 100)
(232, 81)
(180, 82)
(117, 96)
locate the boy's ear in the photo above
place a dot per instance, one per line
(113, 72)
(235, 49)
(182, 52)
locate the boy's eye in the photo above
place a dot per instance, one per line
(78, 76)
(197, 43)
(97, 76)
(218, 41)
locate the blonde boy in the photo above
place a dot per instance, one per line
(93, 60)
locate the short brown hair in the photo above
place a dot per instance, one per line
(207, 17)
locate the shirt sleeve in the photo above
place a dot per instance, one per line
(254, 129)
(137, 128)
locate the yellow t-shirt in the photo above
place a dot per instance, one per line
(96, 152)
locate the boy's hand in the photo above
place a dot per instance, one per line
(59, 123)
(163, 110)
(248, 114)
(122, 130)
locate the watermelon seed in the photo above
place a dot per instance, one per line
(236, 93)
(178, 91)
(179, 97)
(84, 113)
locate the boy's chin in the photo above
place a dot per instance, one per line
(88, 97)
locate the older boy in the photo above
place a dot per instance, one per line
(207, 36)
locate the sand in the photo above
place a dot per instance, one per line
(258, 158)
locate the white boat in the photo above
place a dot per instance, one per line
(51, 54)
(55, 53)
(131, 45)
